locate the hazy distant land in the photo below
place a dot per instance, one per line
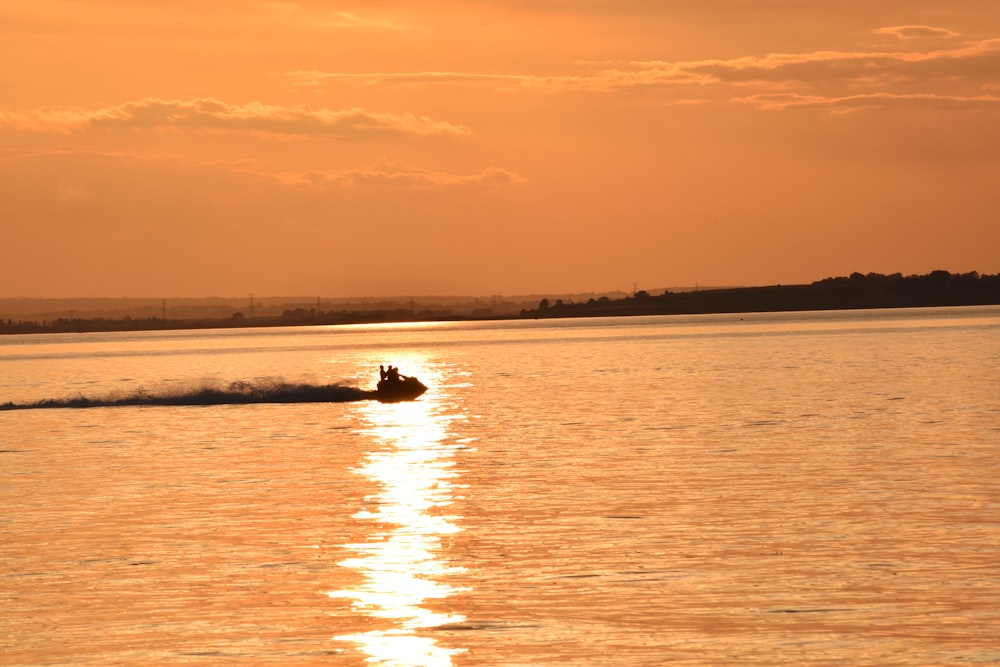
(857, 291)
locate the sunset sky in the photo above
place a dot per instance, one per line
(382, 147)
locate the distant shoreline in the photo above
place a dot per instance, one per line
(857, 291)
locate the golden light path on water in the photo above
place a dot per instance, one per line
(402, 563)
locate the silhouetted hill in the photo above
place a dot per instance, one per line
(858, 291)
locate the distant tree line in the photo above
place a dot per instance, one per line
(872, 290)
(295, 317)
(861, 291)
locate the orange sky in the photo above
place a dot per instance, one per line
(223, 147)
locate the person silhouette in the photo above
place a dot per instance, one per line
(392, 374)
(381, 373)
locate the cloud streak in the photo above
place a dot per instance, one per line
(397, 175)
(946, 74)
(972, 61)
(908, 32)
(781, 101)
(208, 114)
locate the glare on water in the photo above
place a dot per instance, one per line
(403, 562)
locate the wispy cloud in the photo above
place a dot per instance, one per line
(349, 20)
(316, 77)
(908, 32)
(975, 61)
(969, 61)
(930, 67)
(71, 174)
(212, 114)
(606, 80)
(41, 16)
(317, 15)
(780, 101)
(397, 175)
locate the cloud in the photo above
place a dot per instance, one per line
(607, 80)
(309, 15)
(396, 175)
(50, 16)
(973, 60)
(316, 77)
(781, 101)
(349, 20)
(212, 114)
(951, 75)
(908, 32)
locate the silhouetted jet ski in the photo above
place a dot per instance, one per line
(403, 389)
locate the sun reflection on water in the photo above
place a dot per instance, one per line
(402, 562)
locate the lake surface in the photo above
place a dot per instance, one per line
(754, 489)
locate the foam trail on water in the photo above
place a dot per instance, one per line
(237, 393)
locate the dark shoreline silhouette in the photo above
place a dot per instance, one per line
(857, 291)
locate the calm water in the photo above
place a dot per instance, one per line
(810, 489)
